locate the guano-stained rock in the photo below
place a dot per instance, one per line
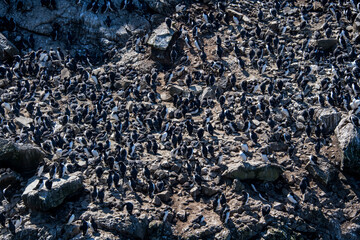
(253, 170)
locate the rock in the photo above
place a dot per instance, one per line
(208, 92)
(253, 170)
(22, 158)
(132, 227)
(7, 49)
(275, 234)
(208, 190)
(238, 185)
(44, 200)
(164, 196)
(326, 43)
(157, 201)
(23, 121)
(329, 117)
(181, 215)
(322, 171)
(159, 41)
(289, 11)
(163, 6)
(65, 74)
(348, 137)
(278, 147)
(9, 177)
(176, 90)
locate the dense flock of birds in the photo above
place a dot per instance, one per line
(85, 118)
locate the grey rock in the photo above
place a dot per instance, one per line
(208, 92)
(161, 37)
(133, 227)
(322, 171)
(163, 6)
(7, 49)
(165, 196)
(23, 121)
(22, 158)
(87, 27)
(329, 117)
(208, 190)
(159, 41)
(348, 137)
(176, 90)
(326, 43)
(44, 199)
(253, 170)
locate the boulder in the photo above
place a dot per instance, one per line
(326, 43)
(208, 190)
(22, 158)
(329, 117)
(348, 137)
(44, 199)
(23, 121)
(132, 227)
(7, 49)
(322, 171)
(253, 170)
(208, 92)
(176, 90)
(162, 6)
(160, 41)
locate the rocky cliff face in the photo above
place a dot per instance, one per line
(76, 27)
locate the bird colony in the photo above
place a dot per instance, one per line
(229, 133)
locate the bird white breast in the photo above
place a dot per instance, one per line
(244, 147)
(243, 156)
(71, 219)
(291, 198)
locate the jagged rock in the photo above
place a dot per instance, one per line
(87, 27)
(253, 170)
(9, 177)
(208, 92)
(165, 196)
(322, 171)
(160, 41)
(176, 90)
(348, 137)
(7, 49)
(326, 43)
(163, 6)
(208, 190)
(44, 199)
(22, 158)
(329, 117)
(23, 121)
(275, 234)
(132, 227)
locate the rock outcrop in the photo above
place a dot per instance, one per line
(44, 199)
(253, 170)
(7, 49)
(348, 137)
(22, 158)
